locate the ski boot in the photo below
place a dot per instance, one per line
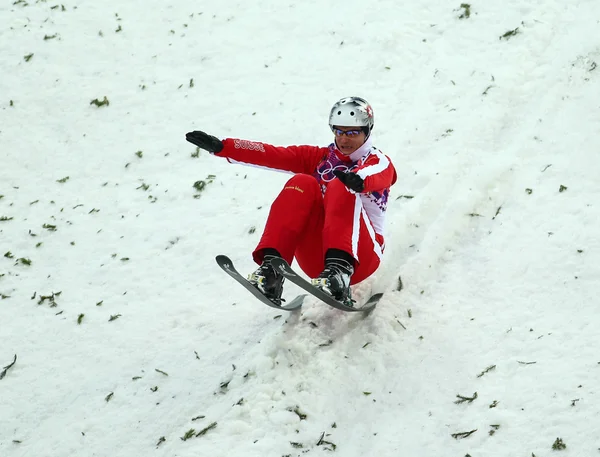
(268, 281)
(335, 280)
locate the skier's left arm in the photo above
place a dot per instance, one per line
(376, 173)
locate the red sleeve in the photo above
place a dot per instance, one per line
(377, 171)
(294, 159)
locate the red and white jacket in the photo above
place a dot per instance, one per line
(374, 167)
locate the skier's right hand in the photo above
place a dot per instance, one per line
(204, 141)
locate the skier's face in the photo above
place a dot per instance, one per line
(349, 139)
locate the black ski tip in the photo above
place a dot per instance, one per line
(222, 258)
(281, 265)
(375, 297)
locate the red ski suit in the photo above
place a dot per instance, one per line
(315, 211)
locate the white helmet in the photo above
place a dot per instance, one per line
(352, 112)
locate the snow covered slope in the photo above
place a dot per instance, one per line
(130, 341)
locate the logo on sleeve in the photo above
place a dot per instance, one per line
(251, 145)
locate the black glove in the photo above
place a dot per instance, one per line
(204, 141)
(350, 180)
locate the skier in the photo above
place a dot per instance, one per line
(330, 214)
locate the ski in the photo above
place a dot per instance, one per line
(227, 265)
(290, 274)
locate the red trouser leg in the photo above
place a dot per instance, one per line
(297, 210)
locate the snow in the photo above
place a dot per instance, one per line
(493, 227)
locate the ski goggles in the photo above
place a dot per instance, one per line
(349, 133)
